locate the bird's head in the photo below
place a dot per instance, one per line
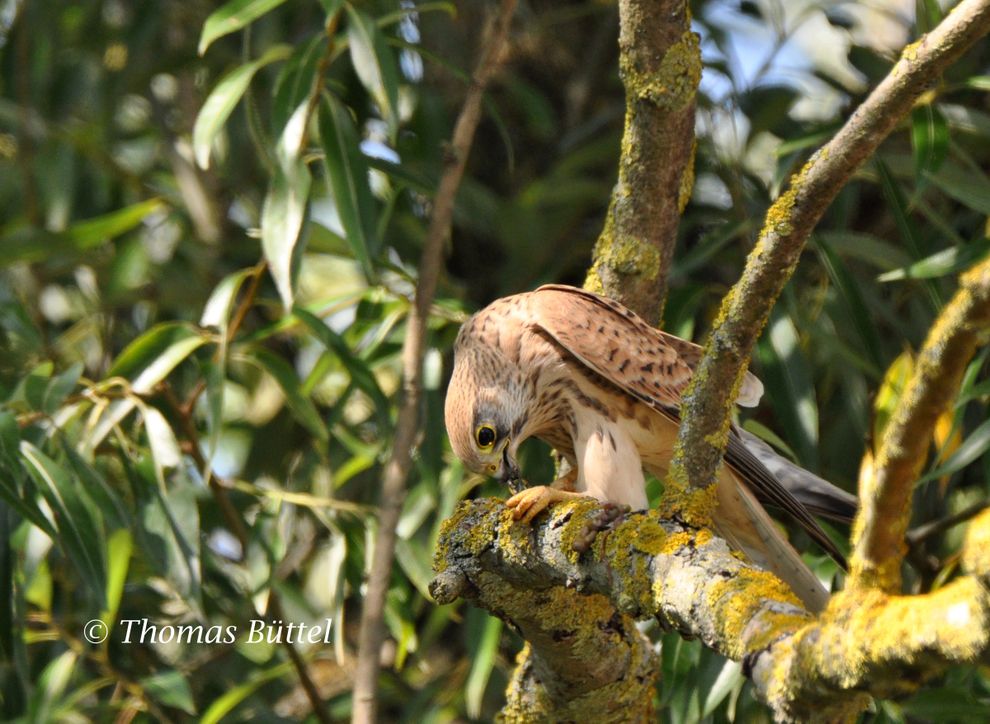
(485, 416)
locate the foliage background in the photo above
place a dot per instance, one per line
(196, 408)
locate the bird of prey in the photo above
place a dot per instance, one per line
(603, 387)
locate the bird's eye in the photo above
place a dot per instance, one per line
(485, 437)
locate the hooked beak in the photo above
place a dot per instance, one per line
(508, 471)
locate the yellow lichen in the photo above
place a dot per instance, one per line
(976, 550)
(693, 505)
(473, 538)
(628, 255)
(736, 601)
(687, 179)
(675, 82)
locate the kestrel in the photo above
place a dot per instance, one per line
(601, 386)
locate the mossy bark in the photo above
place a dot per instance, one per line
(576, 611)
(660, 66)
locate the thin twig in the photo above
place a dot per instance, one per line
(917, 536)
(746, 308)
(372, 631)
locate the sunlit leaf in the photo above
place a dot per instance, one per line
(231, 17)
(943, 263)
(285, 205)
(151, 357)
(119, 547)
(484, 649)
(347, 171)
(374, 63)
(222, 100)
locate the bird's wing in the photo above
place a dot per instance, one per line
(655, 368)
(651, 365)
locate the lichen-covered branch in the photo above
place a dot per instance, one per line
(660, 66)
(575, 610)
(789, 222)
(887, 481)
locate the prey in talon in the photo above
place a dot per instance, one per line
(603, 388)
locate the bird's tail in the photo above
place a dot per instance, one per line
(742, 521)
(816, 494)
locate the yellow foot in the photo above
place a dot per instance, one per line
(532, 501)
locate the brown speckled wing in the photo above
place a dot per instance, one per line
(614, 342)
(650, 364)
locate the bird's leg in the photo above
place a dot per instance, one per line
(532, 501)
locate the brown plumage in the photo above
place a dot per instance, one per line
(600, 385)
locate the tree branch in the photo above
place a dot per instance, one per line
(789, 222)
(372, 631)
(644, 566)
(660, 66)
(886, 482)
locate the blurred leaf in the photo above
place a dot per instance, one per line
(151, 357)
(119, 546)
(222, 100)
(285, 205)
(358, 369)
(30, 244)
(979, 82)
(347, 171)
(729, 678)
(231, 17)
(301, 406)
(51, 687)
(943, 263)
(971, 449)
(217, 310)
(10, 489)
(484, 648)
(865, 247)
(226, 703)
(78, 522)
(929, 138)
(374, 64)
(968, 186)
(171, 689)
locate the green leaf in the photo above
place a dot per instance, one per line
(51, 687)
(217, 310)
(358, 369)
(119, 547)
(77, 520)
(221, 102)
(483, 654)
(285, 205)
(971, 448)
(978, 82)
(374, 64)
(347, 171)
(231, 17)
(171, 689)
(929, 139)
(943, 263)
(31, 244)
(968, 186)
(229, 700)
(301, 406)
(151, 357)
